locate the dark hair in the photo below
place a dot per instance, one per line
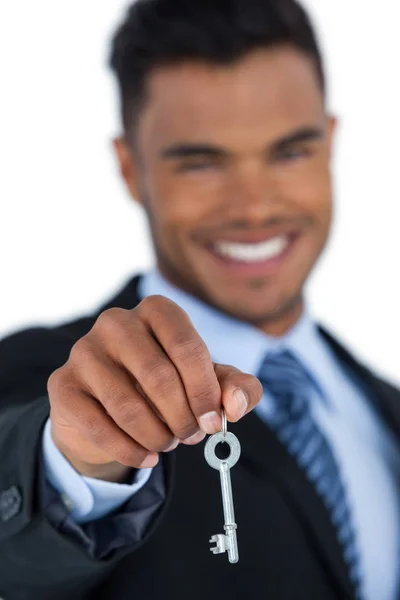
(163, 32)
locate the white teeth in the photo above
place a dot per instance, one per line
(253, 252)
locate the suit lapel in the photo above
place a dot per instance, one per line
(384, 396)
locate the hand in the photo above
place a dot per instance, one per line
(139, 383)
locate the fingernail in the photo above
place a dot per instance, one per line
(173, 446)
(149, 462)
(240, 403)
(195, 439)
(210, 422)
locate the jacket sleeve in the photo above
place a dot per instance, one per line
(40, 560)
(86, 498)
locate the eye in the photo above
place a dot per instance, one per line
(196, 167)
(292, 154)
(201, 164)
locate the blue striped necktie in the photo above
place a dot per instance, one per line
(290, 386)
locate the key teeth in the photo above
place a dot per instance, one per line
(218, 539)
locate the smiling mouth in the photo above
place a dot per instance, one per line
(253, 253)
(253, 256)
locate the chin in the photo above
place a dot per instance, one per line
(267, 308)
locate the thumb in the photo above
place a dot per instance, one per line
(240, 392)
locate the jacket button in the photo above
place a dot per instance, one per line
(10, 503)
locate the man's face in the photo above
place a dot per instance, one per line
(232, 168)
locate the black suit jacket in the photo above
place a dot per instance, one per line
(288, 549)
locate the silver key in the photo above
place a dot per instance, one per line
(225, 542)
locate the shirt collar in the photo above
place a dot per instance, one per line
(241, 345)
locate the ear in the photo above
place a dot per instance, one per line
(127, 166)
(332, 126)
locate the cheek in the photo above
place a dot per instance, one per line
(176, 217)
(181, 204)
(310, 191)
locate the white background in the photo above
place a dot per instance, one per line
(69, 235)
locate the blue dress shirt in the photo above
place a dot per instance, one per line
(368, 454)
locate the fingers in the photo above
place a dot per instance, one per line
(187, 351)
(164, 352)
(115, 389)
(82, 423)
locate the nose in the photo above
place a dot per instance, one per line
(252, 196)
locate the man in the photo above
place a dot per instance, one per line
(104, 489)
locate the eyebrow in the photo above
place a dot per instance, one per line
(189, 150)
(306, 134)
(186, 150)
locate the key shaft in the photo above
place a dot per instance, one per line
(227, 496)
(229, 513)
